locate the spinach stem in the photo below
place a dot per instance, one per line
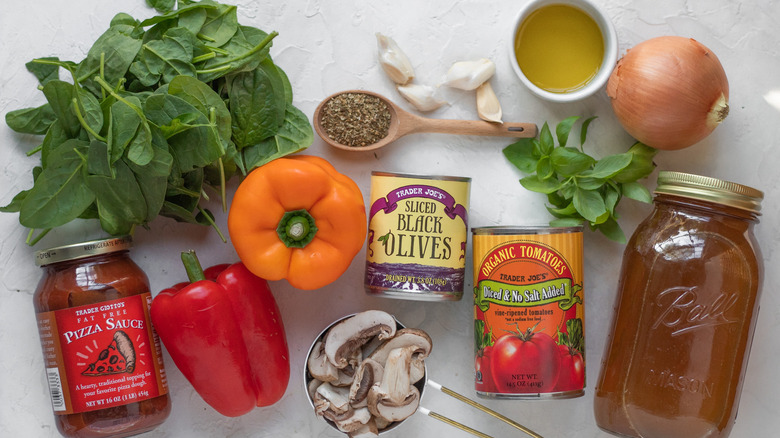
(83, 122)
(35, 150)
(204, 57)
(31, 242)
(102, 72)
(267, 40)
(213, 224)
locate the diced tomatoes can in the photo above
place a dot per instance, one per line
(528, 312)
(417, 235)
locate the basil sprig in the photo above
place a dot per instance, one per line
(579, 188)
(157, 111)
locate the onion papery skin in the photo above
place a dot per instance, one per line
(669, 92)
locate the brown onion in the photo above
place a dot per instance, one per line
(669, 92)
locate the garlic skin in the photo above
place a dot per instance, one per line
(393, 60)
(423, 97)
(468, 75)
(488, 106)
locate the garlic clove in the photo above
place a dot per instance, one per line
(468, 75)
(423, 97)
(393, 60)
(488, 106)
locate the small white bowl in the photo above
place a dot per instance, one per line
(607, 64)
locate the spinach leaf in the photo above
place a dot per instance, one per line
(206, 100)
(129, 132)
(120, 201)
(152, 177)
(192, 148)
(45, 72)
(60, 95)
(204, 4)
(162, 5)
(110, 56)
(166, 58)
(244, 52)
(31, 120)
(59, 194)
(220, 26)
(257, 104)
(294, 136)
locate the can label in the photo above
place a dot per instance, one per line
(528, 309)
(418, 228)
(101, 355)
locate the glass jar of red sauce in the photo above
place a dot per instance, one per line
(686, 310)
(102, 357)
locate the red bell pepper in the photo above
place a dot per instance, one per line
(224, 332)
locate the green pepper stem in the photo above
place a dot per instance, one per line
(296, 229)
(192, 266)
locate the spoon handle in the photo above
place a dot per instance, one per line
(473, 127)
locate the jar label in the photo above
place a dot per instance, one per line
(101, 355)
(528, 311)
(417, 236)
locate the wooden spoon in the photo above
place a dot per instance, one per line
(403, 122)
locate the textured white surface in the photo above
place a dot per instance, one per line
(328, 46)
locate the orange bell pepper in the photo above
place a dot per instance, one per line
(297, 218)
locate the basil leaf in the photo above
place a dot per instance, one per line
(610, 166)
(589, 204)
(59, 194)
(584, 130)
(641, 165)
(611, 229)
(521, 155)
(636, 191)
(565, 212)
(546, 142)
(570, 161)
(534, 184)
(563, 129)
(566, 222)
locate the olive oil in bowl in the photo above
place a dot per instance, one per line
(559, 48)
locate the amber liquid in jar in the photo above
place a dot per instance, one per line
(685, 314)
(99, 278)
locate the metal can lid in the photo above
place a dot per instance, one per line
(82, 250)
(709, 189)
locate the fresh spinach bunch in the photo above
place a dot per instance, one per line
(158, 110)
(580, 188)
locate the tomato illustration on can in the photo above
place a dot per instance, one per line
(528, 312)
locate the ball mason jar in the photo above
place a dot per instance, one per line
(685, 313)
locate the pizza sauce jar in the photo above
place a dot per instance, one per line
(417, 232)
(528, 312)
(103, 359)
(686, 309)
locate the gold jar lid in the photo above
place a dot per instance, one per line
(82, 250)
(709, 189)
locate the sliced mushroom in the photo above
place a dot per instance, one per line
(369, 373)
(368, 430)
(330, 399)
(350, 334)
(407, 337)
(319, 366)
(381, 423)
(356, 420)
(395, 398)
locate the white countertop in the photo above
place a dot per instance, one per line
(329, 46)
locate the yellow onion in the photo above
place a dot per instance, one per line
(669, 92)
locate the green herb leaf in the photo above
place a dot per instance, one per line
(295, 135)
(45, 72)
(257, 104)
(521, 155)
(580, 188)
(59, 194)
(31, 120)
(563, 129)
(637, 191)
